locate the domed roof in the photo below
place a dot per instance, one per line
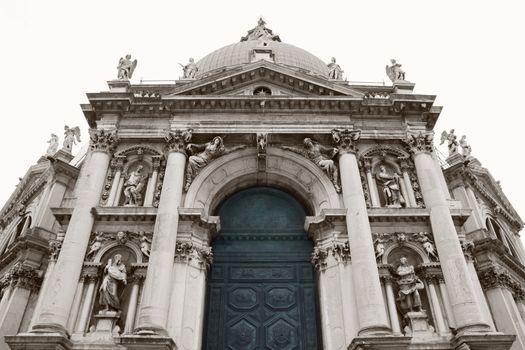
(261, 39)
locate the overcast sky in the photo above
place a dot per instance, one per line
(468, 53)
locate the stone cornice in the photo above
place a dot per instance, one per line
(25, 244)
(489, 251)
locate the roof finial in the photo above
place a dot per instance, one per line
(260, 32)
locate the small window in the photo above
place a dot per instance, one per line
(262, 91)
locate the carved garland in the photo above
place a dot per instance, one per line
(340, 251)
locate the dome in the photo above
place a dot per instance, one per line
(261, 39)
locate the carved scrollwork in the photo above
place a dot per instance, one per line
(178, 139)
(23, 276)
(187, 251)
(103, 140)
(424, 239)
(420, 142)
(346, 140)
(142, 240)
(339, 250)
(495, 277)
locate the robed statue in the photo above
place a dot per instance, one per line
(126, 67)
(409, 286)
(71, 137)
(133, 187)
(390, 186)
(451, 138)
(334, 70)
(394, 72)
(114, 276)
(53, 145)
(189, 70)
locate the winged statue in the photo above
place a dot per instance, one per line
(126, 67)
(394, 72)
(71, 137)
(452, 141)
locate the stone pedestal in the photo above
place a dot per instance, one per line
(150, 342)
(105, 326)
(456, 158)
(380, 343)
(31, 341)
(418, 328)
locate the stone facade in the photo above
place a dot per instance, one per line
(162, 159)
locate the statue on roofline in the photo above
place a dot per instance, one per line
(466, 150)
(452, 142)
(260, 32)
(394, 72)
(71, 137)
(53, 145)
(189, 70)
(126, 67)
(335, 72)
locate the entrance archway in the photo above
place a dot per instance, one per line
(261, 290)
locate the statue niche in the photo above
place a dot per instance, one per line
(113, 291)
(389, 186)
(135, 184)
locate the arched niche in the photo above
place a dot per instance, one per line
(283, 169)
(129, 257)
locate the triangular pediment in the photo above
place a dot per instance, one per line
(281, 80)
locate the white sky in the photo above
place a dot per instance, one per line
(468, 53)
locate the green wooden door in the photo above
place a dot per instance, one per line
(261, 290)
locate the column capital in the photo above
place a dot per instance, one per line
(178, 139)
(346, 140)
(188, 252)
(102, 140)
(420, 142)
(22, 276)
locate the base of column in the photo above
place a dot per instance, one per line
(474, 329)
(50, 328)
(31, 341)
(374, 330)
(151, 330)
(150, 342)
(380, 343)
(486, 341)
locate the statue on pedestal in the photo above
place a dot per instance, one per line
(409, 285)
(452, 142)
(53, 145)
(126, 67)
(71, 137)
(133, 187)
(394, 72)
(114, 274)
(390, 187)
(189, 70)
(335, 71)
(466, 150)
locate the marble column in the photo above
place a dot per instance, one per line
(152, 184)
(436, 306)
(411, 200)
(76, 306)
(59, 299)
(371, 309)
(45, 285)
(391, 303)
(156, 295)
(117, 164)
(462, 294)
(372, 186)
(87, 303)
(446, 303)
(132, 306)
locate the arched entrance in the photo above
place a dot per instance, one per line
(261, 289)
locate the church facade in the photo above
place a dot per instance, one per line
(260, 202)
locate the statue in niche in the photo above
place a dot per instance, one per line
(126, 67)
(466, 150)
(335, 71)
(322, 156)
(390, 186)
(71, 137)
(379, 248)
(452, 142)
(428, 245)
(114, 275)
(394, 72)
(409, 286)
(133, 187)
(261, 142)
(53, 145)
(189, 70)
(145, 244)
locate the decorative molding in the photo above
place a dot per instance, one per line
(420, 142)
(339, 250)
(187, 251)
(103, 140)
(495, 277)
(178, 139)
(346, 140)
(20, 275)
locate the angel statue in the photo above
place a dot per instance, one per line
(379, 243)
(335, 71)
(126, 67)
(394, 71)
(391, 187)
(96, 244)
(114, 275)
(189, 70)
(133, 187)
(466, 150)
(322, 156)
(422, 237)
(202, 154)
(452, 142)
(71, 137)
(145, 244)
(53, 145)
